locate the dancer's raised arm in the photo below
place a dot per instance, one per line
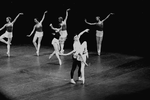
(90, 23)
(3, 27)
(16, 17)
(32, 31)
(107, 17)
(65, 20)
(43, 17)
(67, 53)
(56, 29)
(81, 33)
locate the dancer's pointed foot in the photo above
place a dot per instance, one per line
(8, 54)
(50, 57)
(60, 63)
(62, 51)
(99, 53)
(83, 80)
(37, 53)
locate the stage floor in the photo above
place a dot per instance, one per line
(111, 76)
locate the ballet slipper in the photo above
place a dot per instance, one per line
(60, 63)
(8, 54)
(37, 53)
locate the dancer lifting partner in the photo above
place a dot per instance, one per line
(9, 32)
(63, 31)
(99, 32)
(55, 43)
(79, 59)
(38, 34)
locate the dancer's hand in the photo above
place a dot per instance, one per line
(111, 13)
(20, 13)
(45, 12)
(87, 30)
(28, 35)
(68, 9)
(50, 25)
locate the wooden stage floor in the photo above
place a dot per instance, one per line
(111, 76)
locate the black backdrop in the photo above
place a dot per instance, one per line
(124, 32)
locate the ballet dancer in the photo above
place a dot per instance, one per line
(9, 32)
(99, 32)
(63, 31)
(85, 55)
(78, 58)
(38, 34)
(55, 43)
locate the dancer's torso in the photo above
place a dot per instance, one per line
(39, 28)
(9, 27)
(64, 26)
(100, 26)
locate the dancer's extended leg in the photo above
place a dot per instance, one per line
(50, 56)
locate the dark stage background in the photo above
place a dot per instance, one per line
(124, 32)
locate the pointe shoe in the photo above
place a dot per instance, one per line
(37, 53)
(62, 51)
(83, 80)
(49, 57)
(72, 81)
(60, 63)
(99, 53)
(8, 54)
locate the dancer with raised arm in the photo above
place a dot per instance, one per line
(78, 58)
(9, 32)
(38, 34)
(55, 43)
(63, 31)
(99, 32)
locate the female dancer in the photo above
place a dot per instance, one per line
(55, 43)
(63, 31)
(99, 32)
(78, 58)
(85, 55)
(9, 32)
(38, 34)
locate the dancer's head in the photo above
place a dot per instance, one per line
(36, 21)
(60, 19)
(97, 18)
(8, 19)
(76, 38)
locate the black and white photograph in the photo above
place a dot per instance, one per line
(71, 50)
